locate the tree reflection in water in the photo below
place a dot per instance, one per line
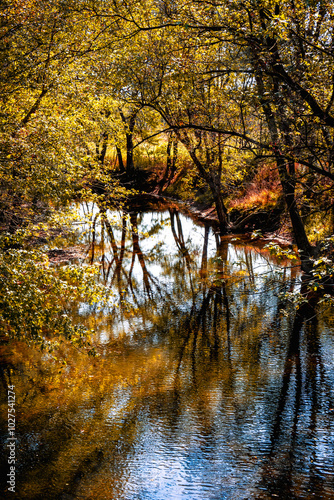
(204, 388)
(303, 403)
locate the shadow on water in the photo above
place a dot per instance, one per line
(304, 400)
(204, 388)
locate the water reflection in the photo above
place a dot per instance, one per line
(302, 410)
(204, 388)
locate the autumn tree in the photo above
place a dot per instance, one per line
(279, 56)
(170, 71)
(286, 49)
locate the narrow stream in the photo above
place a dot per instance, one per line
(206, 386)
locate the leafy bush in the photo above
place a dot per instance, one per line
(36, 297)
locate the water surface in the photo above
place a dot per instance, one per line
(206, 386)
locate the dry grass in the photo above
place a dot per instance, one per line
(263, 191)
(256, 198)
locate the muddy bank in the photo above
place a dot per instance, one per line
(67, 255)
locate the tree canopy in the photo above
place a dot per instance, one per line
(89, 88)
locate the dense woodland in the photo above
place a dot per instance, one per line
(220, 103)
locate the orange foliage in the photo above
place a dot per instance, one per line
(264, 190)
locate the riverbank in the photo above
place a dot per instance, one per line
(268, 225)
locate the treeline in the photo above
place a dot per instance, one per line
(87, 86)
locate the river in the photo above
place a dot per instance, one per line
(207, 385)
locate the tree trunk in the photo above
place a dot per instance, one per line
(221, 212)
(286, 172)
(129, 123)
(306, 251)
(120, 159)
(213, 181)
(170, 169)
(129, 153)
(101, 153)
